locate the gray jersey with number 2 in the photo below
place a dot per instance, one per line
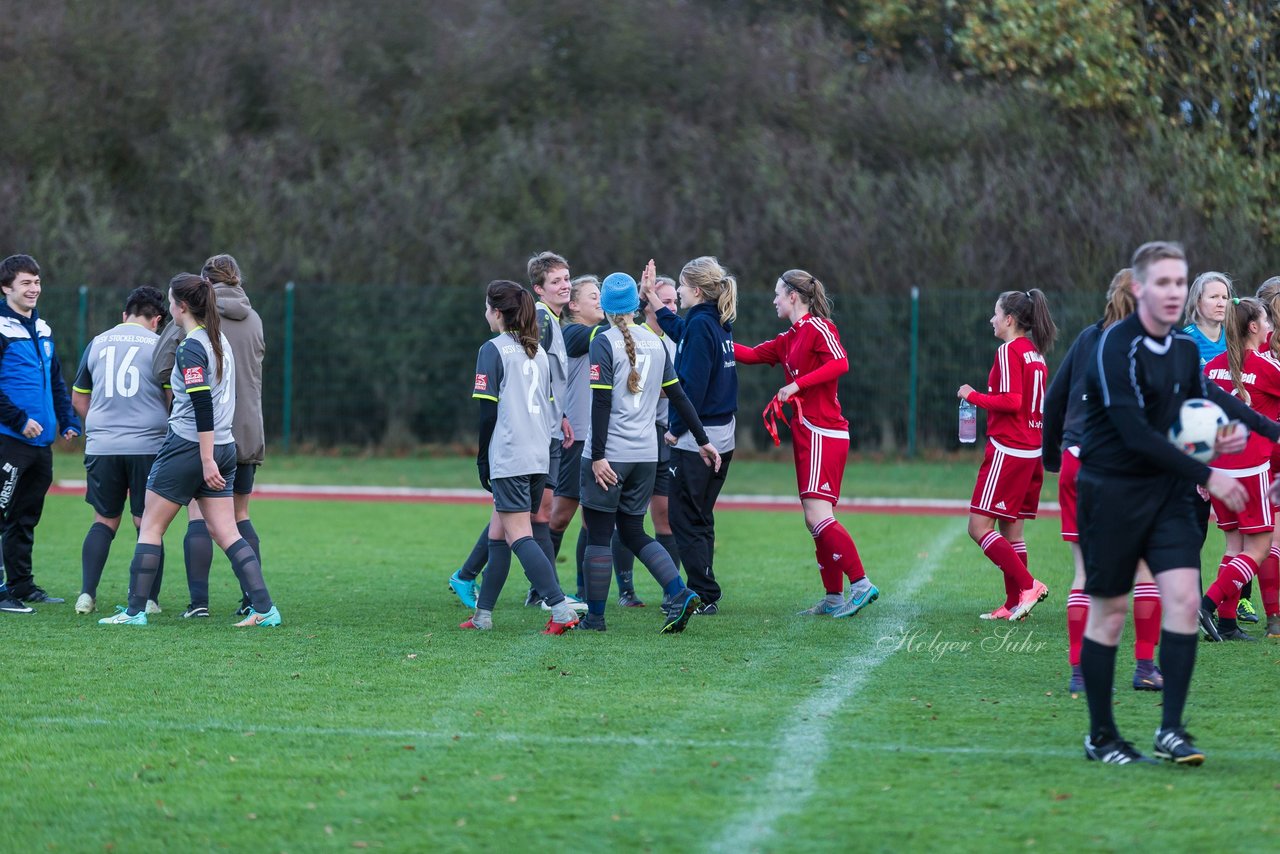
(505, 374)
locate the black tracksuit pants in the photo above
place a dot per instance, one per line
(26, 473)
(695, 487)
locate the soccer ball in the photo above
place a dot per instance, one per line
(1196, 429)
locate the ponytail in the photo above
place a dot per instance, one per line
(519, 316)
(1120, 299)
(1030, 310)
(196, 292)
(727, 302)
(809, 289)
(1245, 312)
(1269, 294)
(623, 322)
(706, 276)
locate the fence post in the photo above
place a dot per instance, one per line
(913, 381)
(287, 385)
(82, 319)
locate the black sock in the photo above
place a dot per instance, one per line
(245, 564)
(668, 542)
(537, 568)
(1227, 624)
(475, 561)
(1098, 666)
(495, 576)
(197, 552)
(142, 575)
(1246, 592)
(93, 556)
(251, 537)
(1208, 604)
(624, 564)
(599, 573)
(557, 537)
(155, 585)
(1177, 661)
(580, 554)
(658, 561)
(542, 536)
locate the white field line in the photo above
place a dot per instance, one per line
(444, 736)
(410, 492)
(803, 742)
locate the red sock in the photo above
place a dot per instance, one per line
(1216, 591)
(1269, 581)
(832, 579)
(1077, 616)
(1011, 592)
(999, 552)
(1146, 620)
(1020, 548)
(1225, 590)
(835, 542)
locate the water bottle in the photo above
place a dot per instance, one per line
(968, 422)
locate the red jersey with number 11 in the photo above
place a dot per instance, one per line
(814, 359)
(1015, 395)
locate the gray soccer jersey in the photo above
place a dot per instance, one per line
(521, 443)
(664, 405)
(632, 416)
(577, 392)
(552, 340)
(193, 371)
(127, 409)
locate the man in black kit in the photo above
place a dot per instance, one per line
(1136, 499)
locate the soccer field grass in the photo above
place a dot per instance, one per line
(369, 720)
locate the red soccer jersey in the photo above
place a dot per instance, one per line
(1261, 378)
(814, 359)
(1015, 395)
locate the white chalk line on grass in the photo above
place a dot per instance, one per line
(742, 502)
(802, 744)
(526, 739)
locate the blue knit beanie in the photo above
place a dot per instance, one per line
(618, 294)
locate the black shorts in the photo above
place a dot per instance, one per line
(553, 467)
(113, 476)
(245, 475)
(518, 494)
(1124, 519)
(178, 476)
(662, 480)
(630, 495)
(568, 484)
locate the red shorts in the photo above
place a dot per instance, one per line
(1256, 517)
(1067, 493)
(1008, 484)
(820, 456)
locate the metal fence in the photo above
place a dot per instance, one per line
(388, 368)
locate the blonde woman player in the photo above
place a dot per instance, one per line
(580, 322)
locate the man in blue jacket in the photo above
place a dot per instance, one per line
(34, 409)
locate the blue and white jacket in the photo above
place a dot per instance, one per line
(31, 384)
